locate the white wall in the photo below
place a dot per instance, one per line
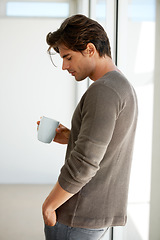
(30, 87)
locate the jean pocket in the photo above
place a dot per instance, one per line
(50, 231)
(47, 226)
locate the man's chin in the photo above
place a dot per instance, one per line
(78, 79)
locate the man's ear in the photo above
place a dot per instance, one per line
(91, 49)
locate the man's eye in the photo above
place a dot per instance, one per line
(69, 58)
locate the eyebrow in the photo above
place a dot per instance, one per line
(66, 55)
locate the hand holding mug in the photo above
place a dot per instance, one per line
(62, 134)
(58, 133)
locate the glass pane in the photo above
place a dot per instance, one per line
(100, 10)
(136, 44)
(141, 10)
(37, 9)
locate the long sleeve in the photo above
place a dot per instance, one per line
(96, 114)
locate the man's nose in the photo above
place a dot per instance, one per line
(65, 65)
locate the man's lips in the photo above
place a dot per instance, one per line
(72, 72)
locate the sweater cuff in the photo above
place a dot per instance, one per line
(69, 187)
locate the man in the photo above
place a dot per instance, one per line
(92, 189)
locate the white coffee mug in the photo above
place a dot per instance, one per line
(47, 129)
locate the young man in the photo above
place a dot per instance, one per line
(92, 189)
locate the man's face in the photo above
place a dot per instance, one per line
(77, 64)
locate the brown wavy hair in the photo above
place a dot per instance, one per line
(76, 32)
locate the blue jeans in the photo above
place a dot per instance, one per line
(63, 232)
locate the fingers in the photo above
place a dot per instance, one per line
(60, 128)
(38, 122)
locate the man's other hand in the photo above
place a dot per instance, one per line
(62, 135)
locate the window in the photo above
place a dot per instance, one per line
(100, 10)
(141, 10)
(37, 9)
(136, 44)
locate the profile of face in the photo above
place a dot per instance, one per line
(78, 64)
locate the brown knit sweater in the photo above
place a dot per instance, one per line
(99, 154)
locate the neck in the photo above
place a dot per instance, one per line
(103, 65)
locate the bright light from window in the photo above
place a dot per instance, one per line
(101, 10)
(37, 9)
(141, 10)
